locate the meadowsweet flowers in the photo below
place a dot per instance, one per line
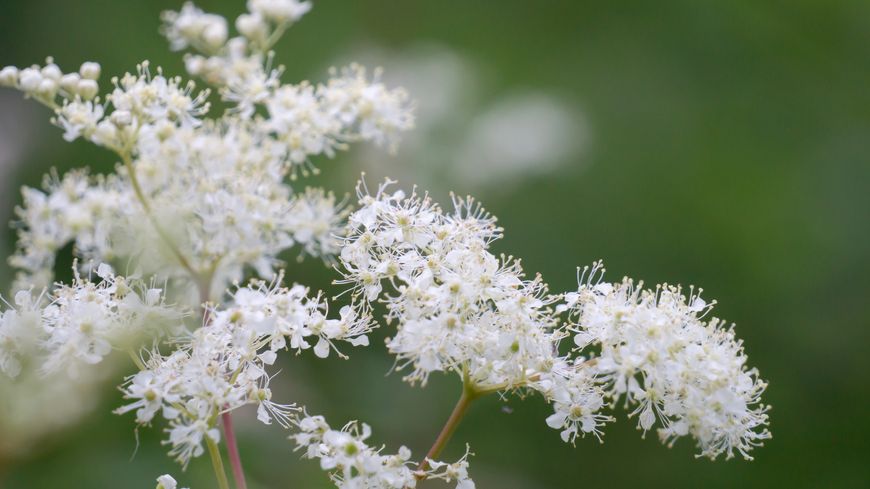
(458, 308)
(200, 202)
(222, 366)
(211, 192)
(659, 354)
(353, 464)
(82, 323)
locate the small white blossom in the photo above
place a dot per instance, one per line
(193, 27)
(221, 366)
(81, 323)
(166, 481)
(353, 464)
(661, 356)
(19, 328)
(458, 307)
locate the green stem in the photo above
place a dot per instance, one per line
(137, 360)
(468, 394)
(217, 463)
(140, 195)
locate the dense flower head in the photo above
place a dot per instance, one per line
(221, 366)
(211, 192)
(80, 324)
(200, 201)
(78, 208)
(658, 352)
(457, 306)
(354, 464)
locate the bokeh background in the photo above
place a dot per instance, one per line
(725, 144)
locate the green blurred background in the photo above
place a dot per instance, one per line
(717, 143)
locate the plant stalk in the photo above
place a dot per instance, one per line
(468, 394)
(218, 464)
(233, 451)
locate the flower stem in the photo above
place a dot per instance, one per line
(233, 451)
(140, 195)
(136, 360)
(468, 394)
(217, 463)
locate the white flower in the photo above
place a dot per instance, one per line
(85, 321)
(354, 464)
(90, 70)
(193, 27)
(19, 329)
(279, 11)
(221, 366)
(166, 481)
(81, 323)
(79, 118)
(675, 368)
(458, 307)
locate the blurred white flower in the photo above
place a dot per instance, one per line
(466, 139)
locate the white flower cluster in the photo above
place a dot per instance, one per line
(46, 83)
(307, 119)
(460, 309)
(80, 324)
(197, 203)
(214, 189)
(76, 208)
(658, 352)
(357, 465)
(222, 366)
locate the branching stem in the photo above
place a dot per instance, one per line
(469, 394)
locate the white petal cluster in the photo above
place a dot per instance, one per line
(215, 189)
(80, 324)
(193, 27)
(317, 221)
(19, 328)
(76, 208)
(222, 365)
(86, 320)
(458, 307)
(354, 464)
(308, 119)
(658, 353)
(577, 398)
(321, 119)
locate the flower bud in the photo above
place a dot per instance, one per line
(122, 118)
(252, 26)
(70, 82)
(105, 134)
(52, 72)
(90, 70)
(47, 87)
(9, 76)
(215, 34)
(194, 65)
(87, 88)
(30, 79)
